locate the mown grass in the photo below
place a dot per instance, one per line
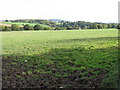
(81, 58)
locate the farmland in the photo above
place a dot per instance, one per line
(21, 24)
(60, 59)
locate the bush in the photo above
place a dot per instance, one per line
(2, 28)
(37, 27)
(28, 27)
(7, 28)
(15, 27)
(21, 28)
(58, 28)
(47, 28)
(118, 26)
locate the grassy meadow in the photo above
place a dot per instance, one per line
(60, 59)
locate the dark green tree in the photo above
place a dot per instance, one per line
(118, 26)
(109, 25)
(37, 27)
(113, 25)
(6, 21)
(28, 27)
(69, 27)
(100, 26)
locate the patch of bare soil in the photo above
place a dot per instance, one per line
(14, 77)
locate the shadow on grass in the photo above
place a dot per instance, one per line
(67, 68)
(90, 39)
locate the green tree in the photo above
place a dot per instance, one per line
(69, 27)
(113, 25)
(64, 28)
(28, 27)
(15, 27)
(6, 21)
(37, 27)
(94, 26)
(118, 26)
(21, 28)
(2, 28)
(90, 26)
(105, 26)
(85, 27)
(48, 28)
(58, 28)
(7, 28)
(109, 25)
(100, 26)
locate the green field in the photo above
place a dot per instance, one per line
(19, 23)
(54, 59)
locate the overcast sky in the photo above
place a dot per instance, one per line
(73, 10)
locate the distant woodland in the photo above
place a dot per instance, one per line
(53, 24)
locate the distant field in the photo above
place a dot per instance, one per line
(4, 24)
(32, 24)
(60, 59)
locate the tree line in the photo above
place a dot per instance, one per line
(87, 25)
(54, 25)
(68, 24)
(37, 21)
(15, 27)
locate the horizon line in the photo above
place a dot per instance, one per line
(59, 19)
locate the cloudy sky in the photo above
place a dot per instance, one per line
(73, 10)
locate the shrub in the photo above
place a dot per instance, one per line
(2, 28)
(28, 27)
(37, 27)
(15, 27)
(7, 28)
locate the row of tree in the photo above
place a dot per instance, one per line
(68, 24)
(62, 25)
(37, 21)
(87, 25)
(15, 27)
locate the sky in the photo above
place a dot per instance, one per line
(72, 10)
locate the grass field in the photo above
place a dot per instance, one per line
(32, 24)
(60, 59)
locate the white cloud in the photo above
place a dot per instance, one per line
(74, 10)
